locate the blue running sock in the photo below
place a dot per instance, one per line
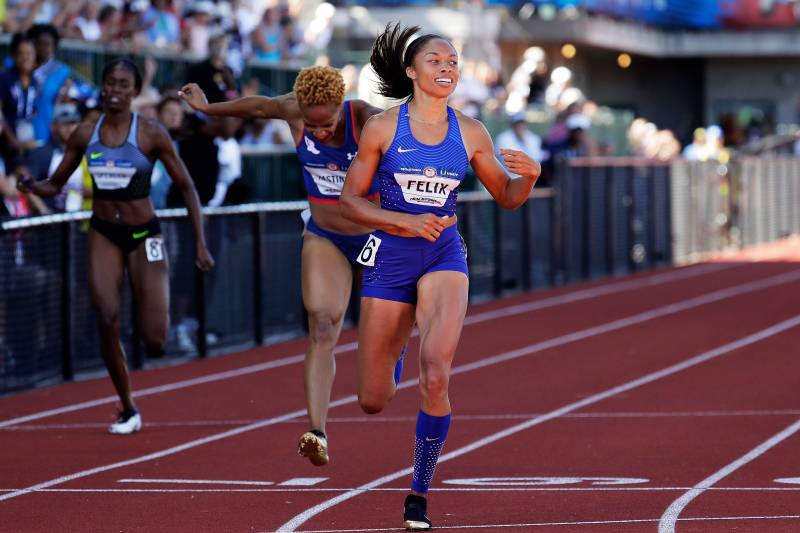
(431, 434)
(398, 367)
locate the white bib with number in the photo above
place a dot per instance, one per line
(423, 190)
(369, 252)
(110, 175)
(329, 182)
(154, 247)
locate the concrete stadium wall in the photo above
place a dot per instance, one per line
(770, 80)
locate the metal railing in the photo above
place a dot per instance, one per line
(604, 216)
(252, 296)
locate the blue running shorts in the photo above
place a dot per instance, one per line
(393, 265)
(349, 245)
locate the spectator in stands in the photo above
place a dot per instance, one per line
(13, 203)
(87, 23)
(266, 37)
(90, 109)
(163, 27)
(110, 21)
(171, 115)
(246, 14)
(198, 147)
(20, 15)
(147, 100)
(319, 31)
(51, 75)
(213, 75)
(9, 148)
(18, 92)
(520, 137)
(291, 44)
(266, 133)
(696, 150)
(557, 138)
(238, 38)
(471, 92)
(199, 28)
(715, 144)
(42, 162)
(540, 80)
(579, 141)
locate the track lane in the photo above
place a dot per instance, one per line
(234, 442)
(256, 399)
(540, 324)
(87, 394)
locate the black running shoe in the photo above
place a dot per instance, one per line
(414, 518)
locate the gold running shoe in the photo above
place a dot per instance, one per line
(314, 445)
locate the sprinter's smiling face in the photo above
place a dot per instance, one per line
(435, 68)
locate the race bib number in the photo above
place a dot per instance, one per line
(369, 251)
(328, 181)
(111, 175)
(426, 190)
(154, 247)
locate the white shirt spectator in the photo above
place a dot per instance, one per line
(519, 137)
(90, 29)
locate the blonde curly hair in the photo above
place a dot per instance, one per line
(319, 85)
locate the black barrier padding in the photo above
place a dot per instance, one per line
(30, 315)
(229, 285)
(596, 217)
(282, 305)
(477, 226)
(541, 258)
(510, 250)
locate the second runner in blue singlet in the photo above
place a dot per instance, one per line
(324, 169)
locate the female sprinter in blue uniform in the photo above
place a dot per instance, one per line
(121, 148)
(416, 266)
(326, 130)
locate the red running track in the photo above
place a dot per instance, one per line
(659, 402)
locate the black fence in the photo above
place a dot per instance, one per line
(252, 296)
(604, 217)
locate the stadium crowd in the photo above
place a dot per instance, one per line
(43, 100)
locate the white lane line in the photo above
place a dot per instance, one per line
(788, 480)
(294, 482)
(405, 489)
(168, 451)
(670, 516)
(593, 292)
(302, 482)
(459, 418)
(579, 295)
(551, 524)
(196, 481)
(771, 331)
(507, 356)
